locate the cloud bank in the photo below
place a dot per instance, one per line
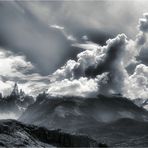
(45, 35)
(104, 69)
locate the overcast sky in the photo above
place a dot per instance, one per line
(38, 38)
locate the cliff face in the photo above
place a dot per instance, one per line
(16, 134)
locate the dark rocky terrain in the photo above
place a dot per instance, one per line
(73, 129)
(17, 134)
(124, 132)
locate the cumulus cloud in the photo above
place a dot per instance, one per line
(137, 83)
(142, 39)
(12, 66)
(83, 86)
(101, 66)
(6, 86)
(110, 62)
(97, 61)
(16, 68)
(97, 69)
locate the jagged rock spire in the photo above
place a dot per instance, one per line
(15, 91)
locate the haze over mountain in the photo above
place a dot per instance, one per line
(15, 104)
(104, 119)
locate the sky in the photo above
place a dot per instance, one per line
(74, 47)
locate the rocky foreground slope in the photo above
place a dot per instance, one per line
(121, 133)
(17, 134)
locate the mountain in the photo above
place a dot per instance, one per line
(141, 102)
(74, 111)
(103, 121)
(124, 132)
(114, 120)
(16, 102)
(17, 134)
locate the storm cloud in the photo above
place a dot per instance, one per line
(74, 48)
(110, 62)
(25, 27)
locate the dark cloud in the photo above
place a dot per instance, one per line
(22, 30)
(143, 23)
(110, 61)
(101, 61)
(111, 64)
(143, 58)
(142, 39)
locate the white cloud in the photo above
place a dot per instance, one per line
(15, 68)
(65, 79)
(34, 87)
(86, 46)
(6, 87)
(65, 72)
(71, 79)
(136, 85)
(57, 27)
(13, 65)
(114, 57)
(83, 86)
